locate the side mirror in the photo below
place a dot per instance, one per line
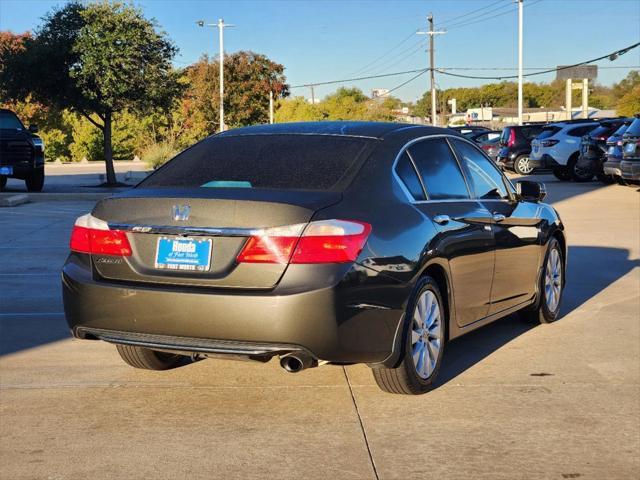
(531, 191)
(33, 128)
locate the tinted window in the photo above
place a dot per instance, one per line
(409, 176)
(548, 132)
(8, 121)
(603, 130)
(634, 128)
(297, 162)
(580, 131)
(531, 132)
(439, 169)
(486, 182)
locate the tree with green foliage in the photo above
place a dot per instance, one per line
(248, 78)
(96, 59)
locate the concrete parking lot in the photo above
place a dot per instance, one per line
(514, 401)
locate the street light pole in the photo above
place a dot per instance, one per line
(520, 9)
(221, 26)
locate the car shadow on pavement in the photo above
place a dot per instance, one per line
(591, 270)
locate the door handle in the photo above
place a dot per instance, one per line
(441, 219)
(498, 217)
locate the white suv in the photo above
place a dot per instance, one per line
(558, 147)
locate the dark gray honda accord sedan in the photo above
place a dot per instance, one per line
(339, 242)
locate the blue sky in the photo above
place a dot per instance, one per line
(334, 39)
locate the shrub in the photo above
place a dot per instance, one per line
(157, 154)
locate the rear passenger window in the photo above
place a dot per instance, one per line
(409, 176)
(439, 170)
(486, 181)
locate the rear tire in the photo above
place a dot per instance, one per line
(562, 173)
(606, 179)
(3, 183)
(577, 174)
(148, 359)
(424, 339)
(551, 287)
(35, 181)
(522, 166)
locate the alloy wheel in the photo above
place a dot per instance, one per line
(553, 280)
(524, 166)
(426, 334)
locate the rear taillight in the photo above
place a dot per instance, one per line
(512, 138)
(548, 143)
(325, 241)
(92, 235)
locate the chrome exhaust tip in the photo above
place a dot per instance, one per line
(296, 362)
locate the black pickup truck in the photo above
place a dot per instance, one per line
(21, 152)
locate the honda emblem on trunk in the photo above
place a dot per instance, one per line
(181, 212)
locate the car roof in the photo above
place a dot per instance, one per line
(376, 130)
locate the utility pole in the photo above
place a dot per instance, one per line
(431, 34)
(313, 96)
(221, 26)
(271, 106)
(520, 25)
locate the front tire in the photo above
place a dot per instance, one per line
(562, 173)
(578, 174)
(551, 287)
(424, 339)
(35, 181)
(147, 359)
(522, 166)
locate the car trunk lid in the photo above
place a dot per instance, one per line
(165, 227)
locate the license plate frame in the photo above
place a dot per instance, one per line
(6, 170)
(183, 254)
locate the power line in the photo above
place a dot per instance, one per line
(407, 81)
(370, 64)
(416, 48)
(472, 22)
(612, 55)
(357, 79)
(440, 70)
(449, 20)
(480, 18)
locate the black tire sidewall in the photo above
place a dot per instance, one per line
(574, 171)
(417, 382)
(546, 315)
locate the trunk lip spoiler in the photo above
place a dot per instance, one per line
(187, 230)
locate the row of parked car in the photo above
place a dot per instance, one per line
(579, 150)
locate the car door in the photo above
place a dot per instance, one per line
(515, 227)
(464, 235)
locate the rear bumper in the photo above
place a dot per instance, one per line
(330, 323)
(630, 170)
(506, 163)
(612, 167)
(543, 161)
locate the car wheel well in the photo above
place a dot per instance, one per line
(439, 275)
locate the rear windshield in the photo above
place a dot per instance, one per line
(621, 130)
(634, 128)
(9, 121)
(530, 132)
(284, 162)
(602, 131)
(549, 132)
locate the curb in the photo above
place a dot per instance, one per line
(53, 197)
